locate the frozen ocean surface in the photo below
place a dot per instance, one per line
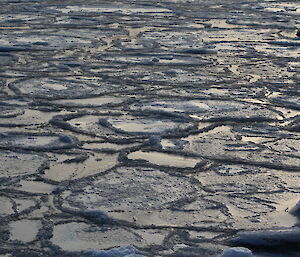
(149, 128)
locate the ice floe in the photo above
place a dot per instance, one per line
(270, 238)
(36, 141)
(211, 109)
(124, 251)
(20, 164)
(237, 252)
(78, 236)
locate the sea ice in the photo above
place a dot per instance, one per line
(36, 142)
(124, 251)
(20, 164)
(296, 210)
(80, 236)
(289, 237)
(237, 252)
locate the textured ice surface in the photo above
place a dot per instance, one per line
(296, 209)
(141, 125)
(35, 187)
(169, 126)
(224, 143)
(80, 236)
(137, 199)
(44, 41)
(270, 238)
(22, 117)
(36, 141)
(211, 110)
(6, 206)
(18, 164)
(89, 102)
(24, 230)
(237, 252)
(163, 159)
(160, 125)
(76, 236)
(133, 189)
(50, 87)
(126, 124)
(71, 167)
(124, 251)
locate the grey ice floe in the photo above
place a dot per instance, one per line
(289, 237)
(124, 251)
(279, 239)
(36, 142)
(209, 110)
(20, 164)
(95, 215)
(138, 199)
(92, 239)
(24, 230)
(140, 125)
(237, 252)
(296, 210)
(168, 160)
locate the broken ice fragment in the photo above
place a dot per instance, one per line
(19, 164)
(24, 230)
(270, 238)
(36, 142)
(96, 215)
(124, 251)
(296, 210)
(80, 236)
(169, 160)
(237, 252)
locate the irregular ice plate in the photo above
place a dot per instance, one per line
(18, 164)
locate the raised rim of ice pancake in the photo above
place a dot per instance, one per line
(36, 141)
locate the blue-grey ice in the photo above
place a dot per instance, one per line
(237, 252)
(124, 251)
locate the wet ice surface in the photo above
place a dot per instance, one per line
(150, 128)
